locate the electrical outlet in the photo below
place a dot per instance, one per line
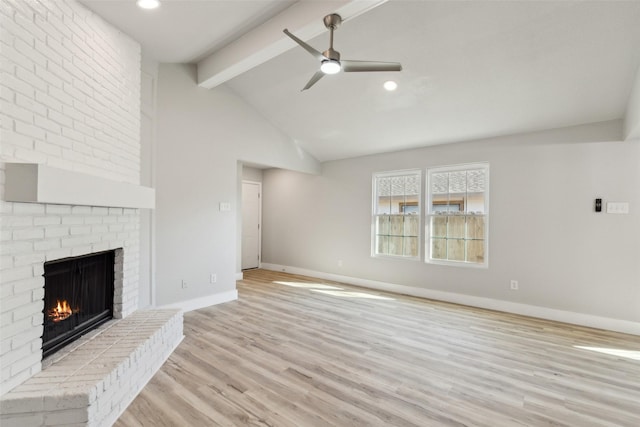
(184, 284)
(339, 263)
(213, 278)
(514, 285)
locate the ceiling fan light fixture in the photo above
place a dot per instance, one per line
(148, 4)
(330, 66)
(330, 59)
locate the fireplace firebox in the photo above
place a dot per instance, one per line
(78, 297)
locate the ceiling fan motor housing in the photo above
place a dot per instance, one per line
(332, 21)
(331, 54)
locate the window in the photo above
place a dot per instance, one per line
(396, 213)
(458, 214)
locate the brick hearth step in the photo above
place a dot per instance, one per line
(94, 383)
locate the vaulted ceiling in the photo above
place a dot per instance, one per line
(471, 69)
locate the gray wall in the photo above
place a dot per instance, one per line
(251, 174)
(543, 229)
(148, 81)
(632, 118)
(201, 136)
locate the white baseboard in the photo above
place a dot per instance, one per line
(239, 276)
(589, 320)
(209, 300)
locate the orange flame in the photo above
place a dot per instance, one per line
(61, 311)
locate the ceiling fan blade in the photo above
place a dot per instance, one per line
(308, 48)
(361, 66)
(317, 76)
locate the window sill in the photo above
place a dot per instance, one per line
(464, 264)
(382, 256)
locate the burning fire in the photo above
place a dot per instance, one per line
(61, 311)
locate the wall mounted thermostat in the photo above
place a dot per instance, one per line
(598, 205)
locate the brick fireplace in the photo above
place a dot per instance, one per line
(41, 233)
(70, 96)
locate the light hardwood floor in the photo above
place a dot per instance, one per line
(294, 351)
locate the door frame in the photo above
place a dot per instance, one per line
(259, 184)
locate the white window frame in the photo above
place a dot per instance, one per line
(428, 214)
(374, 214)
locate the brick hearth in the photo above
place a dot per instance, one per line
(95, 382)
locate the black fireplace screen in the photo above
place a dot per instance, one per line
(78, 297)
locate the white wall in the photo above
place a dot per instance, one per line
(543, 229)
(632, 118)
(201, 136)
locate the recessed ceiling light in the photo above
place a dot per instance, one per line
(390, 85)
(148, 4)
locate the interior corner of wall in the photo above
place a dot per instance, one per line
(632, 115)
(632, 130)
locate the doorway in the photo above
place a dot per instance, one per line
(251, 224)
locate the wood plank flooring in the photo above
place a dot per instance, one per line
(297, 351)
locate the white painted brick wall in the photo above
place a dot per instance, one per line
(69, 98)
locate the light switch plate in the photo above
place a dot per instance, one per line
(617, 207)
(225, 206)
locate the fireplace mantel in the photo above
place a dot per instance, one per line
(38, 183)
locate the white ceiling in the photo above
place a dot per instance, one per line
(471, 69)
(186, 31)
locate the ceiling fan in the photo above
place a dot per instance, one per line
(330, 62)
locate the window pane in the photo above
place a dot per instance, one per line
(440, 203)
(457, 202)
(410, 206)
(455, 249)
(439, 226)
(475, 203)
(411, 246)
(412, 199)
(395, 245)
(439, 248)
(382, 224)
(397, 202)
(384, 205)
(439, 183)
(397, 185)
(456, 227)
(397, 225)
(475, 227)
(382, 244)
(458, 182)
(383, 195)
(475, 251)
(412, 185)
(458, 199)
(411, 225)
(476, 181)
(383, 185)
(397, 213)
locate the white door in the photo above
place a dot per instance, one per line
(251, 218)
